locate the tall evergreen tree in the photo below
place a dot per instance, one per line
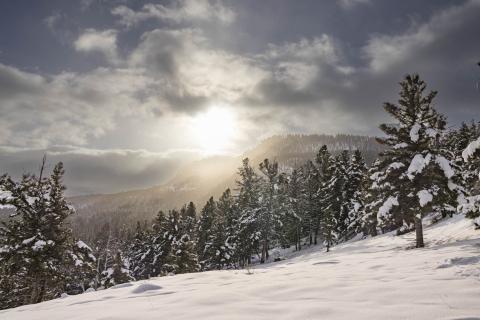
(182, 256)
(415, 168)
(37, 246)
(269, 216)
(118, 273)
(189, 220)
(141, 254)
(374, 196)
(328, 197)
(341, 195)
(218, 251)
(353, 194)
(293, 218)
(205, 223)
(457, 142)
(247, 237)
(310, 201)
(471, 205)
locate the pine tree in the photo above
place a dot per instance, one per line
(218, 251)
(247, 237)
(417, 171)
(161, 240)
(353, 194)
(327, 198)
(37, 246)
(141, 253)
(338, 199)
(324, 163)
(118, 273)
(374, 196)
(270, 215)
(228, 206)
(182, 256)
(471, 205)
(293, 205)
(188, 214)
(456, 142)
(80, 273)
(310, 201)
(281, 227)
(207, 217)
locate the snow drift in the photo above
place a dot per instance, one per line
(377, 278)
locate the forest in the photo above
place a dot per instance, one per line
(426, 172)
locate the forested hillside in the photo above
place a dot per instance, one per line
(205, 178)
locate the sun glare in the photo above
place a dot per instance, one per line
(215, 129)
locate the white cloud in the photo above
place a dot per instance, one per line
(184, 63)
(65, 108)
(300, 63)
(178, 11)
(433, 38)
(104, 42)
(386, 51)
(322, 47)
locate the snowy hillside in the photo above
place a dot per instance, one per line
(378, 278)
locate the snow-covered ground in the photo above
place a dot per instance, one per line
(378, 278)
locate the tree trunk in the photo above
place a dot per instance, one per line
(419, 232)
(299, 239)
(38, 290)
(267, 254)
(34, 292)
(43, 288)
(264, 250)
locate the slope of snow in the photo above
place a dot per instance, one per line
(377, 278)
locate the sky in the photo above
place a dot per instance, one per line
(126, 92)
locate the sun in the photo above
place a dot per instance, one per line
(215, 130)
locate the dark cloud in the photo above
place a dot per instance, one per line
(442, 50)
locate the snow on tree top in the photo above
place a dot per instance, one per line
(445, 166)
(29, 240)
(400, 145)
(38, 245)
(5, 195)
(471, 149)
(418, 164)
(424, 197)
(80, 244)
(396, 165)
(414, 132)
(387, 206)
